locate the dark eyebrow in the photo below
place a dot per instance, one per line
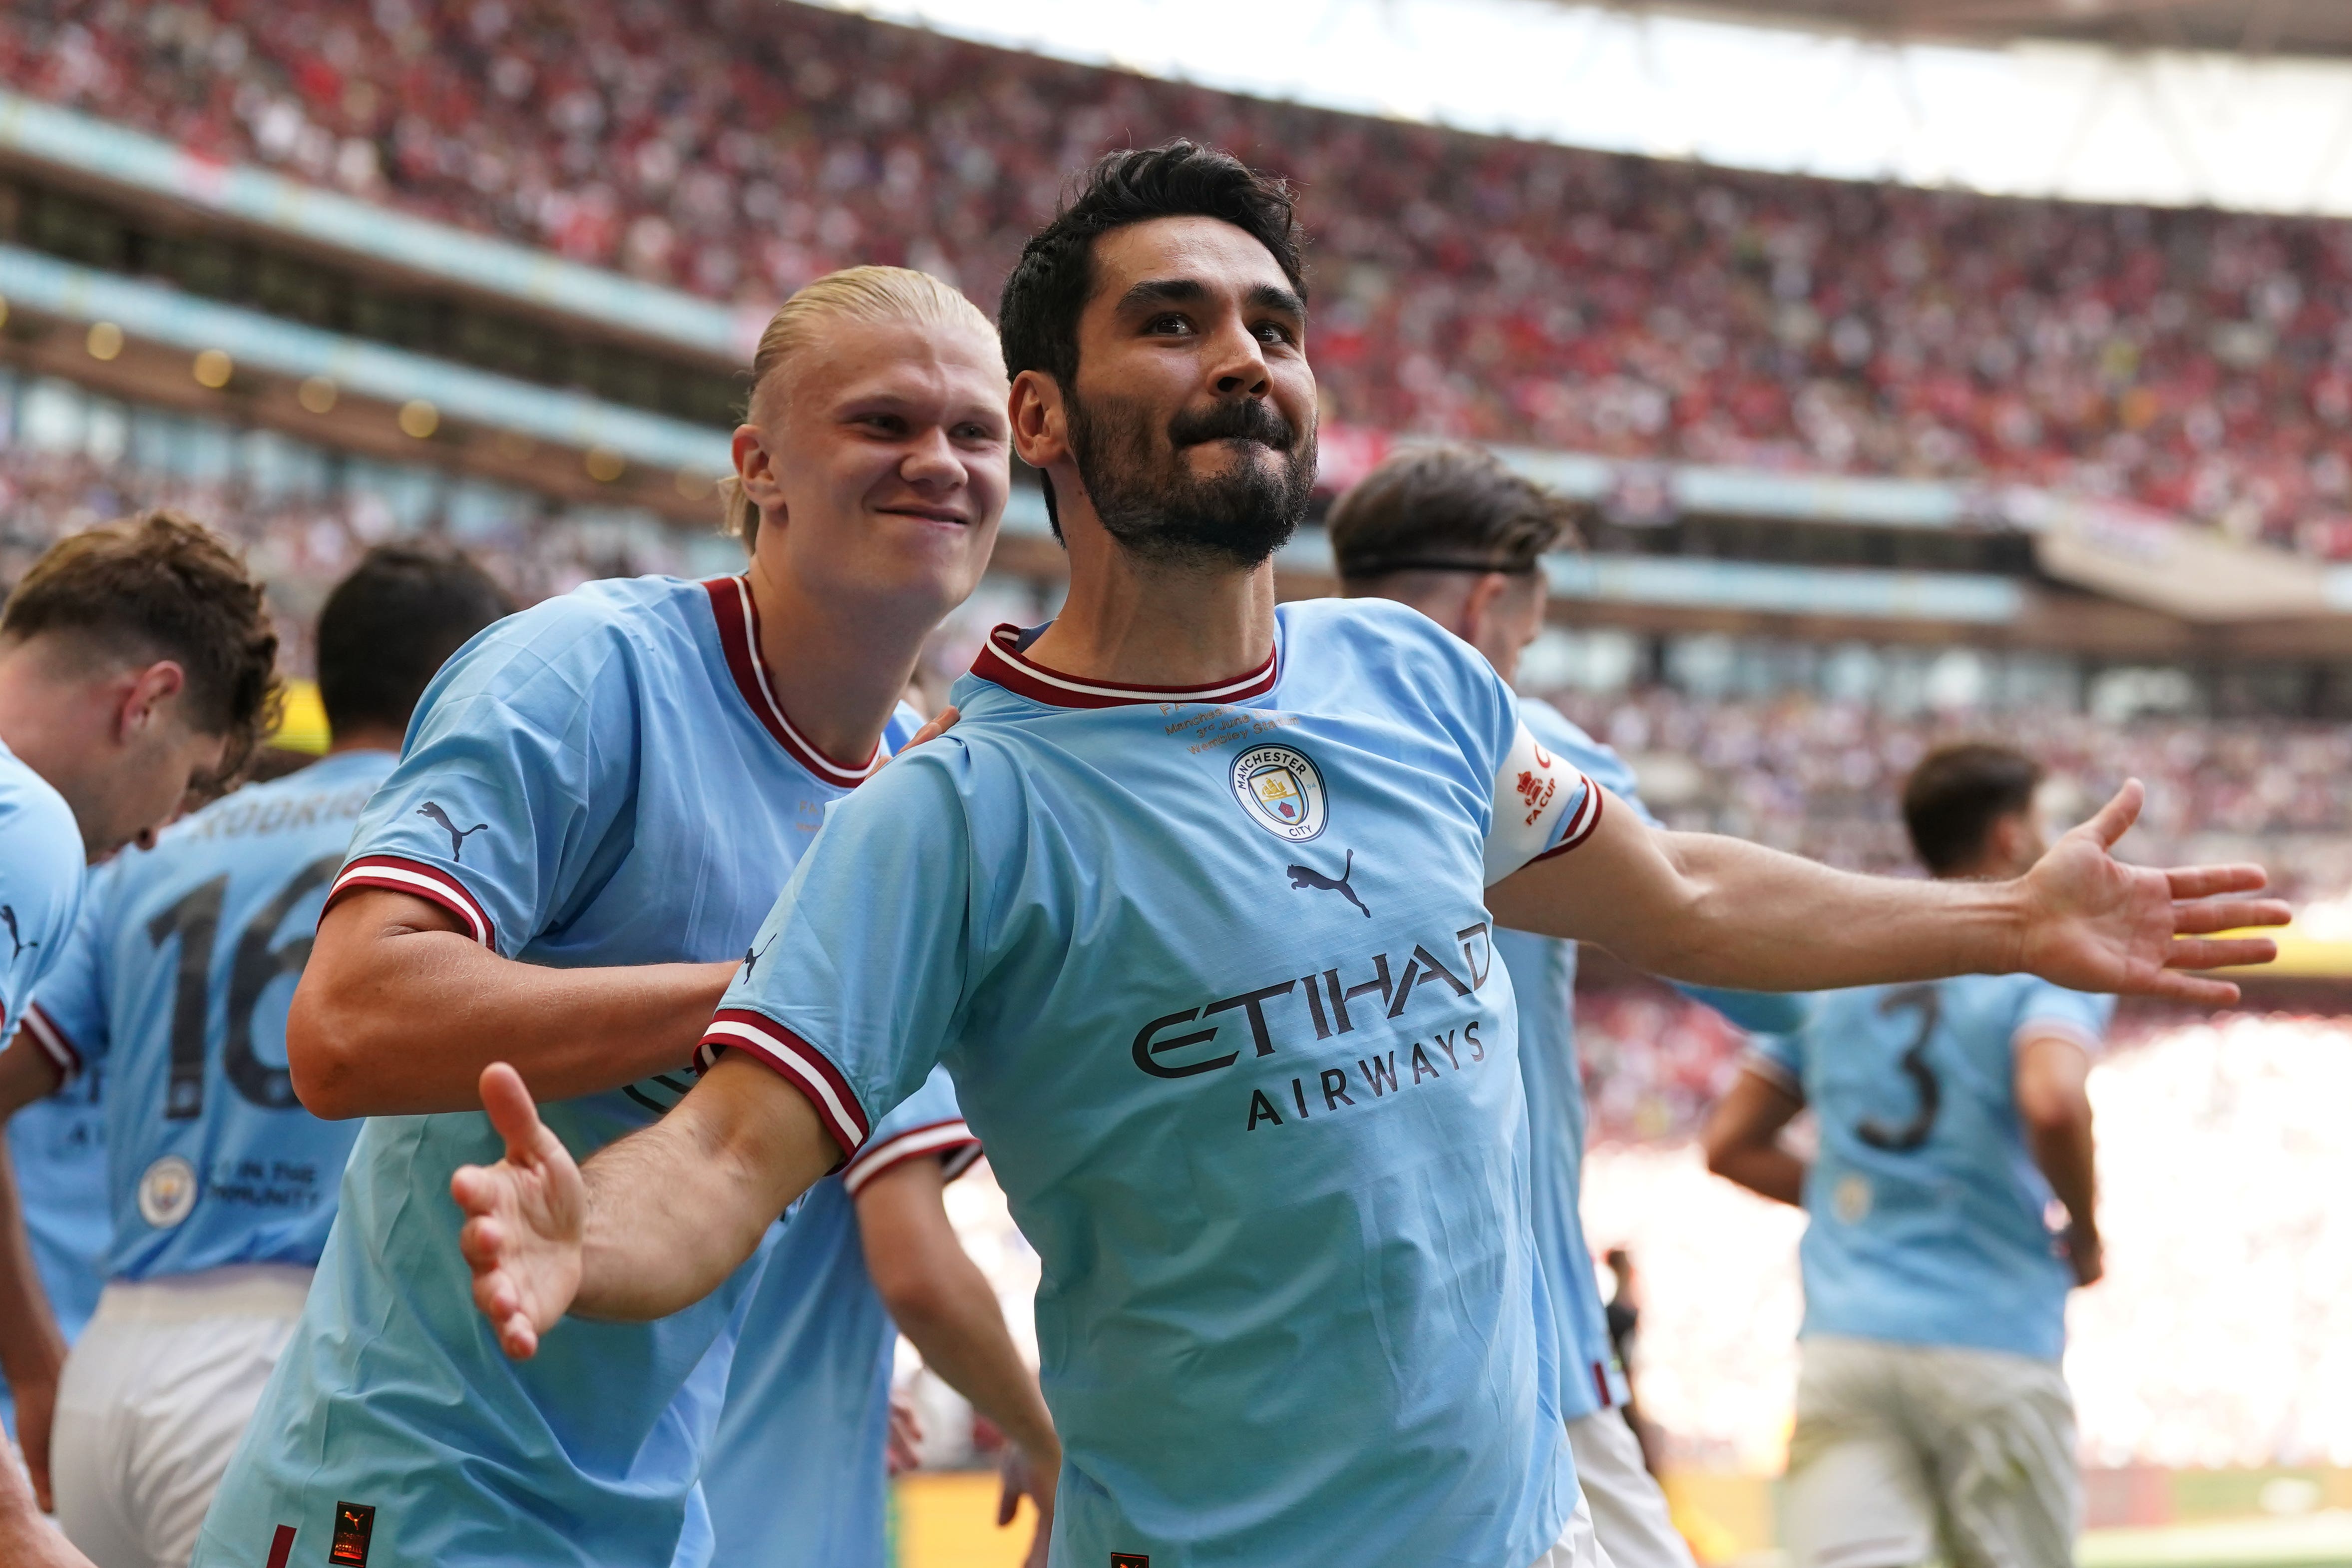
(1163, 292)
(1190, 292)
(1268, 296)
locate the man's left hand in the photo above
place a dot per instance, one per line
(2094, 924)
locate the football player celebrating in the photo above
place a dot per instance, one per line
(596, 802)
(221, 1187)
(1933, 1417)
(137, 667)
(1197, 903)
(1453, 532)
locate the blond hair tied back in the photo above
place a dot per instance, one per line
(871, 295)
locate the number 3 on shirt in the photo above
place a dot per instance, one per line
(1901, 1140)
(195, 921)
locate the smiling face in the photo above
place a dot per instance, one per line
(881, 462)
(1191, 423)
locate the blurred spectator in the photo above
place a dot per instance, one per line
(2198, 362)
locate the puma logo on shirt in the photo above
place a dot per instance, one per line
(1302, 877)
(432, 808)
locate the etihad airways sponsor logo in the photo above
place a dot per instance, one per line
(1377, 1076)
(1333, 1001)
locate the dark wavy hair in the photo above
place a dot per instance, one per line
(387, 630)
(1956, 794)
(159, 585)
(1047, 291)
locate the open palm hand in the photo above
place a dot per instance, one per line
(2095, 923)
(525, 1219)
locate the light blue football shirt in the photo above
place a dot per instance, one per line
(796, 1476)
(1543, 976)
(56, 1145)
(1927, 1213)
(603, 779)
(1214, 974)
(176, 983)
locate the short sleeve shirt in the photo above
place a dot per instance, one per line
(605, 779)
(807, 1416)
(1929, 1217)
(1212, 970)
(176, 985)
(57, 1144)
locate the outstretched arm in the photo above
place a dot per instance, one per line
(653, 1223)
(399, 1010)
(942, 1303)
(1743, 1139)
(1717, 911)
(32, 1348)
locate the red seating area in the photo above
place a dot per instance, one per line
(2198, 362)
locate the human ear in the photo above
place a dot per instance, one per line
(1040, 423)
(1480, 606)
(145, 695)
(755, 469)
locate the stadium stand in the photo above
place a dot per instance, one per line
(2200, 364)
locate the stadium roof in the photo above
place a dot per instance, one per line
(2248, 26)
(1990, 108)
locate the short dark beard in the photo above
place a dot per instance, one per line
(1159, 512)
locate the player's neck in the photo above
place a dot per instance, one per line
(1135, 622)
(48, 719)
(365, 738)
(838, 667)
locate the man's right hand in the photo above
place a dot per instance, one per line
(525, 1219)
(2086, 1256)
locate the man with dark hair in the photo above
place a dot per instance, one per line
(137, 667)
(1453, 531)
(1194, 904)
(220, 1186)
(1933, 1418)
(1972, 804)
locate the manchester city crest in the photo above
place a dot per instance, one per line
(1281, 790)
(167, 1193)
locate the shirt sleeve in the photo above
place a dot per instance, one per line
(1601, 763)
(503, 806)
(67, 1021)
(1777, 1060)
(42, 879)
(853, 985)
(2046, 1009)
(928, 1122)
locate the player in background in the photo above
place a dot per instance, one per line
(1933, 1418)
(220, 1186)
(1453, 532)
(597, 800)
(1266, 1128)
(136, 671)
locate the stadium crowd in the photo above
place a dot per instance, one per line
(2195, 362)
(1799, 772)
(1821, 777)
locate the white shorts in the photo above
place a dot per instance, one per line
(1630, 1517)
(1576, 1547)
(156, 1395)
(1906, 1453)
